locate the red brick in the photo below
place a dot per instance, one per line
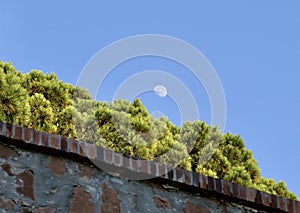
(126, 161)
(235, 190)
(18, 132)
(92, 151)
(251, 194)
(211, 183)
(163, 170)
(196, 180)
(152, 165)
(25, 184)
(55, 141)
(100, 153)
(81, 202)
(258, 198)
(36, 137)
(108, 156)
(27, 135)
(297, 206)
(57, 166)
(144, 166)
(118, 159)
(73, 146)
(179, 175)
(9, 130)
(274, 199)
(171, 175)
(135, 164)
(110, 200)
(266, 198)
(82, 148)
(45, 139)
(243, 192)
(64, 144)
(218, 185)
(282, 203)
(202, 179)
(139, 165)
(226, 187)
(188, 176)
(290, 205)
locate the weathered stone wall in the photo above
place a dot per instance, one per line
(44, 173)
(35, 182)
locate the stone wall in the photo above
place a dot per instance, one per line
(35, 177)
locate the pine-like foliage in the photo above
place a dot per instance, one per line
(43, 102)
(14, 99)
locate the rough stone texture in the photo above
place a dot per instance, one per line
(40, 183)
(81, 202)
(161, 202)
(86, 171)
(6, 204)
(44, 210)
(6, 167)
(110, 199)
(194, 208)
(6, 152)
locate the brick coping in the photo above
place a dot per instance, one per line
(41, 141)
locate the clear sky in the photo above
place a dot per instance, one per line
(254, 47)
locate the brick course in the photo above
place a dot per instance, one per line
(21, 136)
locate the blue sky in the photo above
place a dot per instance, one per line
(254, 47)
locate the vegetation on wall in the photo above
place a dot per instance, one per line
(43, 102)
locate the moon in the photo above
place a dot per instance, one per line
(160, 90)
(157, 114)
